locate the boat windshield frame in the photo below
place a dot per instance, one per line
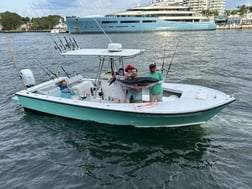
(105, 55)
(125, 53)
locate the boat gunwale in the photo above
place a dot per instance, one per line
(130, 112)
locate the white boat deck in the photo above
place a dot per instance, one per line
(178, 98)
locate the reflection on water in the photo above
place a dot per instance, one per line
(111, 153)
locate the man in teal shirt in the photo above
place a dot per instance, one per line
(156, 91)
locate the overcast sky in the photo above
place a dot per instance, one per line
(38, 8)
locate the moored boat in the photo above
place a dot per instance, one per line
(61, 27)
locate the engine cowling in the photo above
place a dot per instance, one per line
(27, 77)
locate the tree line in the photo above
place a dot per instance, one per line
(13, 21)
(241, 10)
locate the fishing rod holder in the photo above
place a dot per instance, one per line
(66, 44)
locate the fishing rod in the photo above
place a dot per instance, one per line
(58, 42)
(62, 44)
(70, 43)
(75, 43)
(47, 70)
(172, 58)
(113, 73)
(67, 74)
(57, 46)
(15, 63)
(67, 43)
(164, 57)
(162, 65)
(112, 66)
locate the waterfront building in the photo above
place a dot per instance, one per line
(212, 5)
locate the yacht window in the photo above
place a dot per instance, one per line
(149, 21)
(109, 22)
(130, 21)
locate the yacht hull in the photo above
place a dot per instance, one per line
(132, 24)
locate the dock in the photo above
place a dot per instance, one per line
(234, 26)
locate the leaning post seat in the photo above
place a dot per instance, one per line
(74, 79)
(83, 89)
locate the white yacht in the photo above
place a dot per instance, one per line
(157, 16)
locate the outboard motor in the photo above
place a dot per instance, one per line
(27, 77)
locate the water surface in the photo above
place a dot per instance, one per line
(42, 151)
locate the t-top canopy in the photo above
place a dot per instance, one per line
(104, 52)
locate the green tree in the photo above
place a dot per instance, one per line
(45, 23)
(250, 9)
(209, 12)
(25, 20)
(10, 21)
(242, 9)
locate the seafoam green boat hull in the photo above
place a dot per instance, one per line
(118, 117)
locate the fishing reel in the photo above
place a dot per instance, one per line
(101, 95)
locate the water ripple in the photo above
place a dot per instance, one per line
(42, 151)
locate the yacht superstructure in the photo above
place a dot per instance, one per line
(159, 15)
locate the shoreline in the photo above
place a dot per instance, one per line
(218, 27)
(21, 31)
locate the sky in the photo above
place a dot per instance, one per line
(39, 8)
